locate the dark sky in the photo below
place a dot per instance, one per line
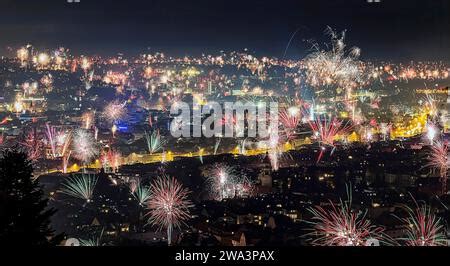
(399, 29)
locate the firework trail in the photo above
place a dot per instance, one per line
(80, 186)
(88, 120)
(65, 161)
(51, 134)
(65, 151)
(216, 146)
(422, 227)
(84, 147)
(200, 154)
(385, 130)
(154, 141)
(169, 204)
(341, 226)
(438, 159)
(274, 158)
(242, 144)
(289, 42)
(274, 151)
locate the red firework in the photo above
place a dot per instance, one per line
(111, 160)
(325, 132)
(289, 119)
(169, 204)
(32, 145)
(341, 226)
(422, 227)
(438, 159)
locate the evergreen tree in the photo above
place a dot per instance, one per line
(24, 215)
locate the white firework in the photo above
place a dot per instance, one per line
(84, 146)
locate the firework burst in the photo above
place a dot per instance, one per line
(341, 226)
(80, 186)
(224, 181)
(431, 132)
(438, 159)
(169, 204)
(422, 227)
(154, 141)
(140, 192)
(220, 179)
(115, 111)
(337, 66)
(84, 146)
(32, 145)
(326, 131)
(290, 119)
(92, 242)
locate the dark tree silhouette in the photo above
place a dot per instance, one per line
(24, 215)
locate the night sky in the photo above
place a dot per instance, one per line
(397, 29)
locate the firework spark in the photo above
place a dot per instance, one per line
(169, 204)
(221, 179)
(80, 186)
